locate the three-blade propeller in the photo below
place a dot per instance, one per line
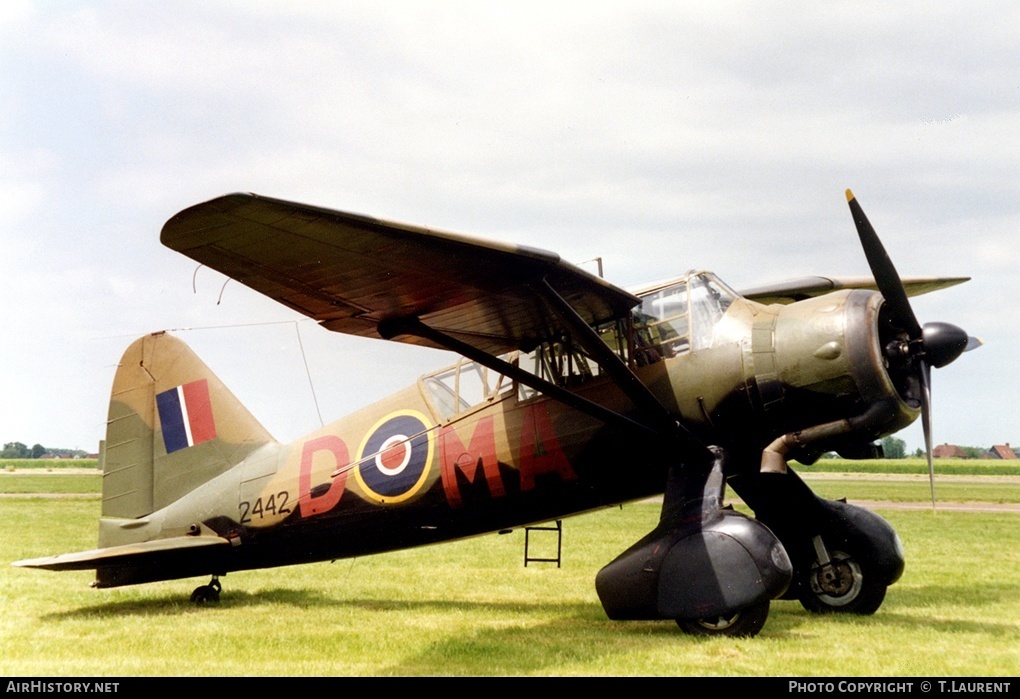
(933, 345)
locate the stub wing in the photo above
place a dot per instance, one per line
(806, 287)
(353, 272)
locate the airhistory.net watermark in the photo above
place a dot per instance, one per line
(57, 687)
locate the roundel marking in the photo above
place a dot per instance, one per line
(395, 457)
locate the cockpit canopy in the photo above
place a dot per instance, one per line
(674, 318)
(679, 316)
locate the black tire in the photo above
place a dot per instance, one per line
(845, 586)
(205, 594)
(744, 623)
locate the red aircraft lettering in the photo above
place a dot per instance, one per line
(540, 448)
(327, 501)
(481, 450)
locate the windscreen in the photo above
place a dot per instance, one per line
(681, 317)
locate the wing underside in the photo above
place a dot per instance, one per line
(806, 287)
(353, 272)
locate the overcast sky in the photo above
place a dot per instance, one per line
(660, 136)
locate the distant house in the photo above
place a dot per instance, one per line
(948, 451)
(1002, 451)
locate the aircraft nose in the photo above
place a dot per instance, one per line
(943, 343)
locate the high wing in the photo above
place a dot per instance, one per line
(352, 273)
(806, 287)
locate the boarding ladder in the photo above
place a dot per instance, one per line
(558, 528)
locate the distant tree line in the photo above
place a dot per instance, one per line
(895, 448)
(17, 450)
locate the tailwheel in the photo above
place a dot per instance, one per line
(841, 586)
(207, 594)
(745, 622)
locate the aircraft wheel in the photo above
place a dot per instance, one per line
(842, 587)
(746, 622)
(206, 594)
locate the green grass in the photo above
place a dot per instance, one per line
(918, 466)
(912, 465)
(47, 464)
(860, 487)
(51, 483)
(471, 608)
(852, 486)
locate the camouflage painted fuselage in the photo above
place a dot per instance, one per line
(405, 471)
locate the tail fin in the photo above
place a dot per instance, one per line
(172, 426)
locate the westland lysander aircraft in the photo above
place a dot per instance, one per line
(571, 394)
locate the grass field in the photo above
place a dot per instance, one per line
(47, 464)
(911, 465)
(909, 487)
(471, 608)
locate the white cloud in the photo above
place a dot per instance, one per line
(660, 136)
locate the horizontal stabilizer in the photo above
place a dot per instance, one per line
(134, 554)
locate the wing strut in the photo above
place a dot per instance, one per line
(657, 420)
(389, 329)
(654, 411)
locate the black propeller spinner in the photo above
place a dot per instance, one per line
(934, 345)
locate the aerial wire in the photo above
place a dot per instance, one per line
(203, 327)
(304, 358)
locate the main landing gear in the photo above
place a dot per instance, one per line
(207, 594)
(840, 582)
(844, 557)
(709, 568)
(746, 622)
